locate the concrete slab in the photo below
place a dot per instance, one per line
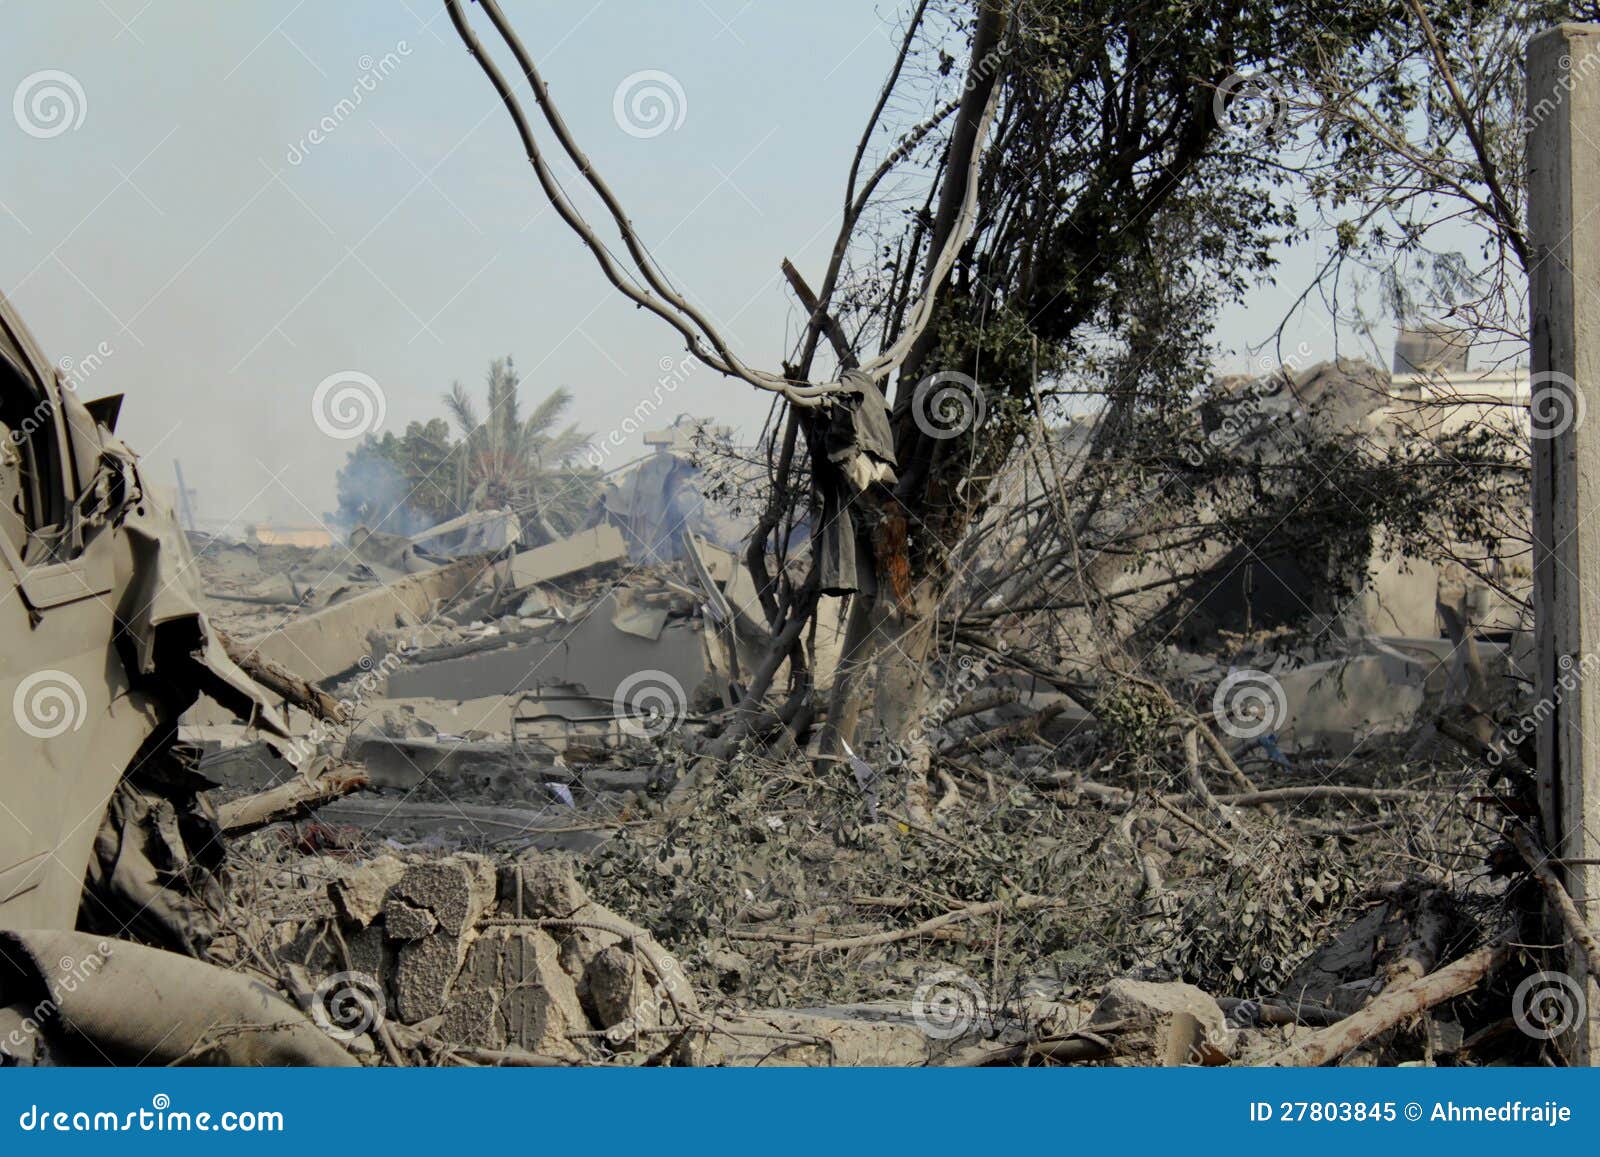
(579, 552)
(334, 640)
(589, 653)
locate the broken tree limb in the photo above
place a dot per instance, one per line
(1324, 791)
(283, 682)
(1233, 769)
(1560, 899)
(1194, 825)
(1394, 1006)
(1197, 782)
(1028, 725)
(1024, 903)
(1279, 1012)
(289, 800)
(808, 298)
(1418, 957)
(1114, 796)
(1068, 1049)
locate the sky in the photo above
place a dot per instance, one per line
(276, 225)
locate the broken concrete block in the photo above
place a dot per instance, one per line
(404, 921)
(732, 970)
(370, 952)
(620, 992)
(590, 653)
(423, 976)
(633, 614)
(457, 890)
(513, 993)
(540, 885)
(817, 1038)
(359, 892)
(435, 907)
(334, 639)
(1163, 1024)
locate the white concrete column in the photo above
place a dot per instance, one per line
(1563, 121)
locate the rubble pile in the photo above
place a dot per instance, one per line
(545, 850)
(1060, 877)
(457, 798)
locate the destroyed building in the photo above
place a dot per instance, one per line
(479, 740)
(947, 724)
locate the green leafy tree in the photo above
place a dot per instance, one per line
(525, 463)
(501, 460)
(400, 484)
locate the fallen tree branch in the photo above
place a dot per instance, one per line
(1560, 899)
(1024, 903)
(283, 682)
(1121, 797)
(1324, 791)
(1197, 782)
(1394, 1006)
(1282, 1013)
(289, 800)
(1069, 1049)
(1028, 726)
(1221, 753)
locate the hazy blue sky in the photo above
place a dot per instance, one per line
(182, 216)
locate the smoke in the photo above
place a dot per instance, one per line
(374, 493)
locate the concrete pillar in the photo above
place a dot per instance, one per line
(1563, 111)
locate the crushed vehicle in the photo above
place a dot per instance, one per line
(104, 831)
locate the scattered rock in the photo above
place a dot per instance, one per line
(540, 885)
(1163, 1024)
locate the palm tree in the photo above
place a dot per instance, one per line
(527, 464)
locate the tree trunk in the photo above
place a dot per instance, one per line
(883, 670)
